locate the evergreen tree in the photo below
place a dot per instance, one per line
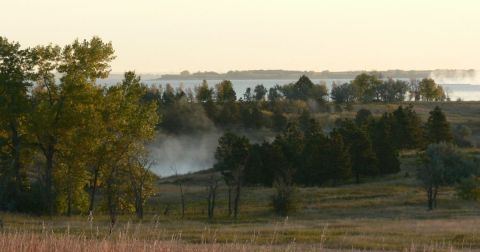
(384, 146)
(363, 158)
(407, 128)
(437, 127)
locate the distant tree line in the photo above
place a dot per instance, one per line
(285, 74)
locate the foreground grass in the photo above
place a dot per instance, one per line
(381, 214)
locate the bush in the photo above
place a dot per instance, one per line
(284, 201)
(469, 188)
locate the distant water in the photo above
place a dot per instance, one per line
(466, 92)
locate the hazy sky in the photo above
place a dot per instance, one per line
(221, 35)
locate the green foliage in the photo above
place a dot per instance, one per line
(363, 158)
(364, 87)
(469, 188)
(16, 72)
(443, 165)
(204, 93)
(285, 201)
(343, 94)
(231, 155)
(392, 90)
(384, 144)
(461, 134)
(437, 127)
(363, 118)
(304, 89)
(407, 128)
(259, 92)
(225, 92)
(430, 91)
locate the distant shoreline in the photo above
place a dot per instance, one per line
(292, 75)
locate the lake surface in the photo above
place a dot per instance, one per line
(466, 92)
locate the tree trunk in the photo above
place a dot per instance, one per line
(229, 201)
(111, 199)
(139, 207)
(212, 194)
(16, 157)
(237, 200)
(435, 192)
(357, 178)
(49, 179)
(69, 202)
(182, 199)
(430, 198)
(94, 189)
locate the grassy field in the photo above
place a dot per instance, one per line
(380, 214)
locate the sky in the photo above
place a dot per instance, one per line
(168, 36)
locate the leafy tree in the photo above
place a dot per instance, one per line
(274, 94)
(300, 90)
(16, 65)
(469, 188)
(343, 94)
(430, 91)
(59, 107)
(461, 134)
(225, 92)
(392, 90)
(185, 117)
(141, 181)
(204, 93)
(443, 165)
(130, 124)
(259, 92)
(231, 155)
(363, 118)
(304, 89)
(168, 96)
(285, 200)
(252, 117)
(437, 127)
(364, 87)
(248, 96)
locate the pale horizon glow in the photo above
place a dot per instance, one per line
(168, 36)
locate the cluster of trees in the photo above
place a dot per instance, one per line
(304, 154)
(63, 138)
(369, 88)
(187, 110)
(200, 109)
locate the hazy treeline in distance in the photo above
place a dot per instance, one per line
(288, 74)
